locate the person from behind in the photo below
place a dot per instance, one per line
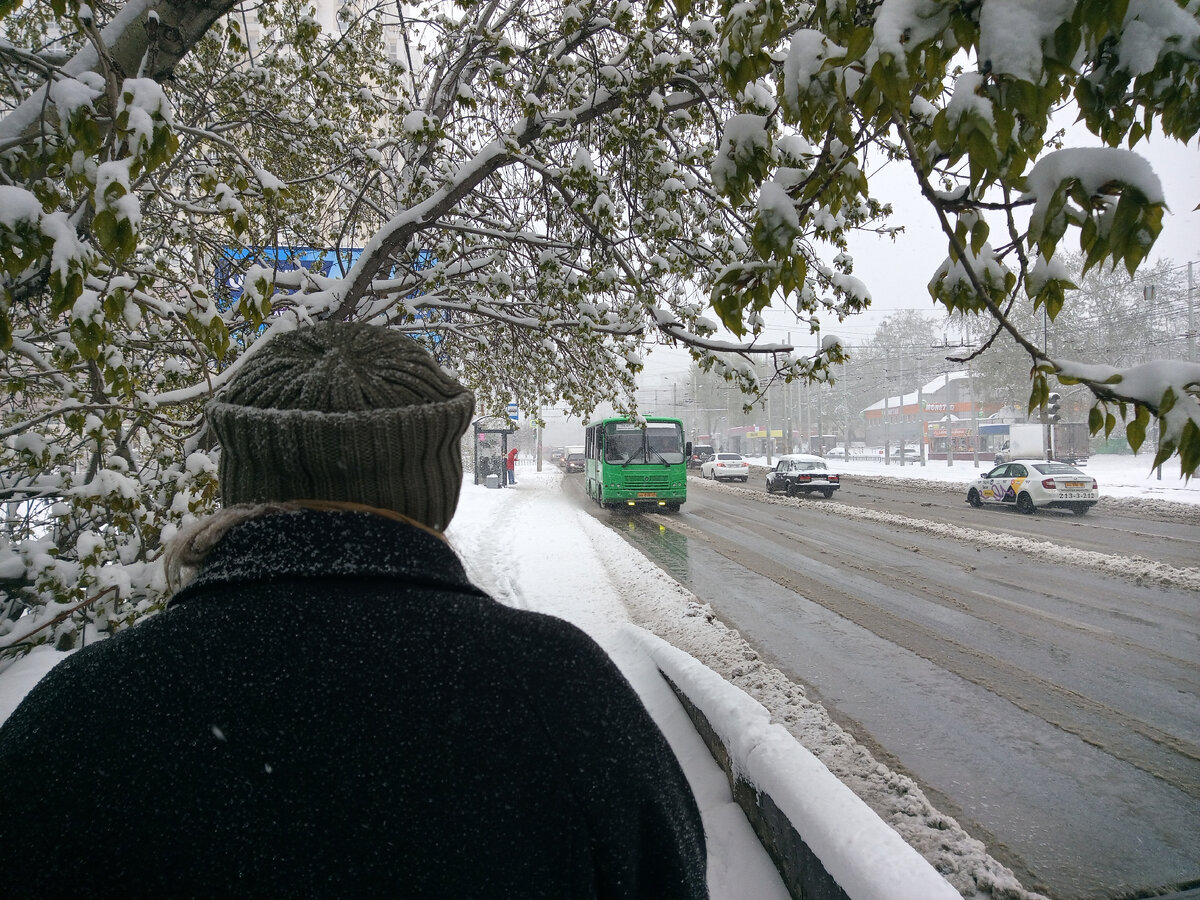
(329, 707)
(510, 463)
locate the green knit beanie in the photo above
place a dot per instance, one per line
(344, 411)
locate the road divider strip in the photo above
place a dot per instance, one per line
(1131, 567)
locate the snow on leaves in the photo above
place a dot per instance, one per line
(537, 190)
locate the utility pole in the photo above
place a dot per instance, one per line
(768, 428)
(949, 426)
(923, 424)
(974, 417)
(846, 403)
(1191, 343)
(887, 431)
(787, 407)
(903, 430)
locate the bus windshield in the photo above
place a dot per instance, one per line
(626, 443)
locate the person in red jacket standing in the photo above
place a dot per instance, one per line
(510, 463)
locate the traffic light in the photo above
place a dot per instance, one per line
(1052, 403)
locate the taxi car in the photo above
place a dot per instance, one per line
(1033, 484)
(725, 467)
(800, 473)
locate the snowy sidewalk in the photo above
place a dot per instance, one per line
(529, 547)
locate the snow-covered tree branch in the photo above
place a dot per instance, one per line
(539, 191)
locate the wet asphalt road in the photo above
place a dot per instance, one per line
(1053, 709)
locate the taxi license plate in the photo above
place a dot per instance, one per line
(650, 494)
(1074, 484)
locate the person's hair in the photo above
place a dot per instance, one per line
(192, 544)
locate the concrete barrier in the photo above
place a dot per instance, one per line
(825, 841)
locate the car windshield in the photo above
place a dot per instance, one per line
(728, 456)
(805, 466)
(1051, 468)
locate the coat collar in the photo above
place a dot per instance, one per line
(310, 544)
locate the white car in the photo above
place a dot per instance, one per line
(1032, 484)
(725, 467)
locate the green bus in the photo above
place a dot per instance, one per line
(629, 463)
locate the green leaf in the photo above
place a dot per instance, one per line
(1189, 448)
(104, 227)
(859, 43)
(1135, 431)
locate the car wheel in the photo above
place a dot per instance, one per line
(1025, 504)
(974, 499)
(1080, 509)
(770, 490)
(745, 479)
(828, 492)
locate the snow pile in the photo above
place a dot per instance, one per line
(865, 857)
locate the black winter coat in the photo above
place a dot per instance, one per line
(331, 709)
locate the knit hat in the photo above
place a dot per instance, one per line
(347, 412)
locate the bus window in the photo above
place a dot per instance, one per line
(623, 445)
(664, 442)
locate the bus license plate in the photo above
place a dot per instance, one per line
(647, 494)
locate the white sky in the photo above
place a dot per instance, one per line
(897, 272)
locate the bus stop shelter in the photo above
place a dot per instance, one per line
(491, 448)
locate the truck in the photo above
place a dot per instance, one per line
(1027, 441)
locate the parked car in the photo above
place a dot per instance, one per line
(838, 452)
(574, 460)
(801, 473)
(700, 452)
(1032, 484)
(910, 454)
(725, 467)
